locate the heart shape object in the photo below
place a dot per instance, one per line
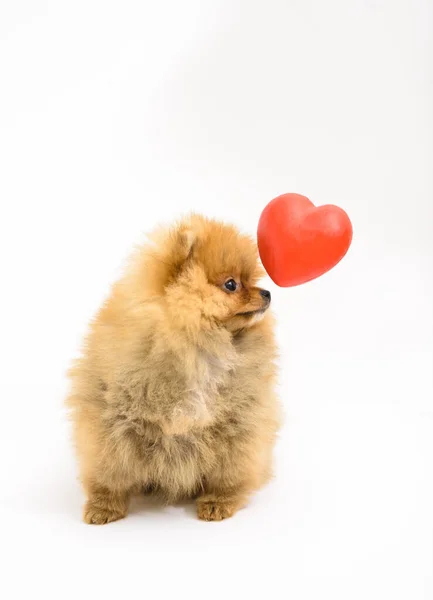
(298, 241)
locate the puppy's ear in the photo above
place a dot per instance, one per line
(185, 240)
(166, 253)
(180, 247)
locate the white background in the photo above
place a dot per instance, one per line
(116, 115)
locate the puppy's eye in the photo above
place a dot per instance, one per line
(231, 285)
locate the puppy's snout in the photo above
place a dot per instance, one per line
(266, 295)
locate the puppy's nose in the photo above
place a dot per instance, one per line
(265, 294)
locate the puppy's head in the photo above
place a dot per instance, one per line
(208, 272)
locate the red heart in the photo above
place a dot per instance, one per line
(299, 242)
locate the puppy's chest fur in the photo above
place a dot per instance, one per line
(208, 378)
(175, 387)
(200, 388)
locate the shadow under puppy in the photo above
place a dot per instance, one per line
(175, 387)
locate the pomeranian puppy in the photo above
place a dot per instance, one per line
(174, 392)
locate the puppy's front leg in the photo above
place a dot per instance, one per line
(231, 482)
(104, 505)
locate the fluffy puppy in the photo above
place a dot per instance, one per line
(174, 391)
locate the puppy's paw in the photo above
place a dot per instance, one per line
(95, 514)
(215, 510)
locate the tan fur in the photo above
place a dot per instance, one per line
(174, 391)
